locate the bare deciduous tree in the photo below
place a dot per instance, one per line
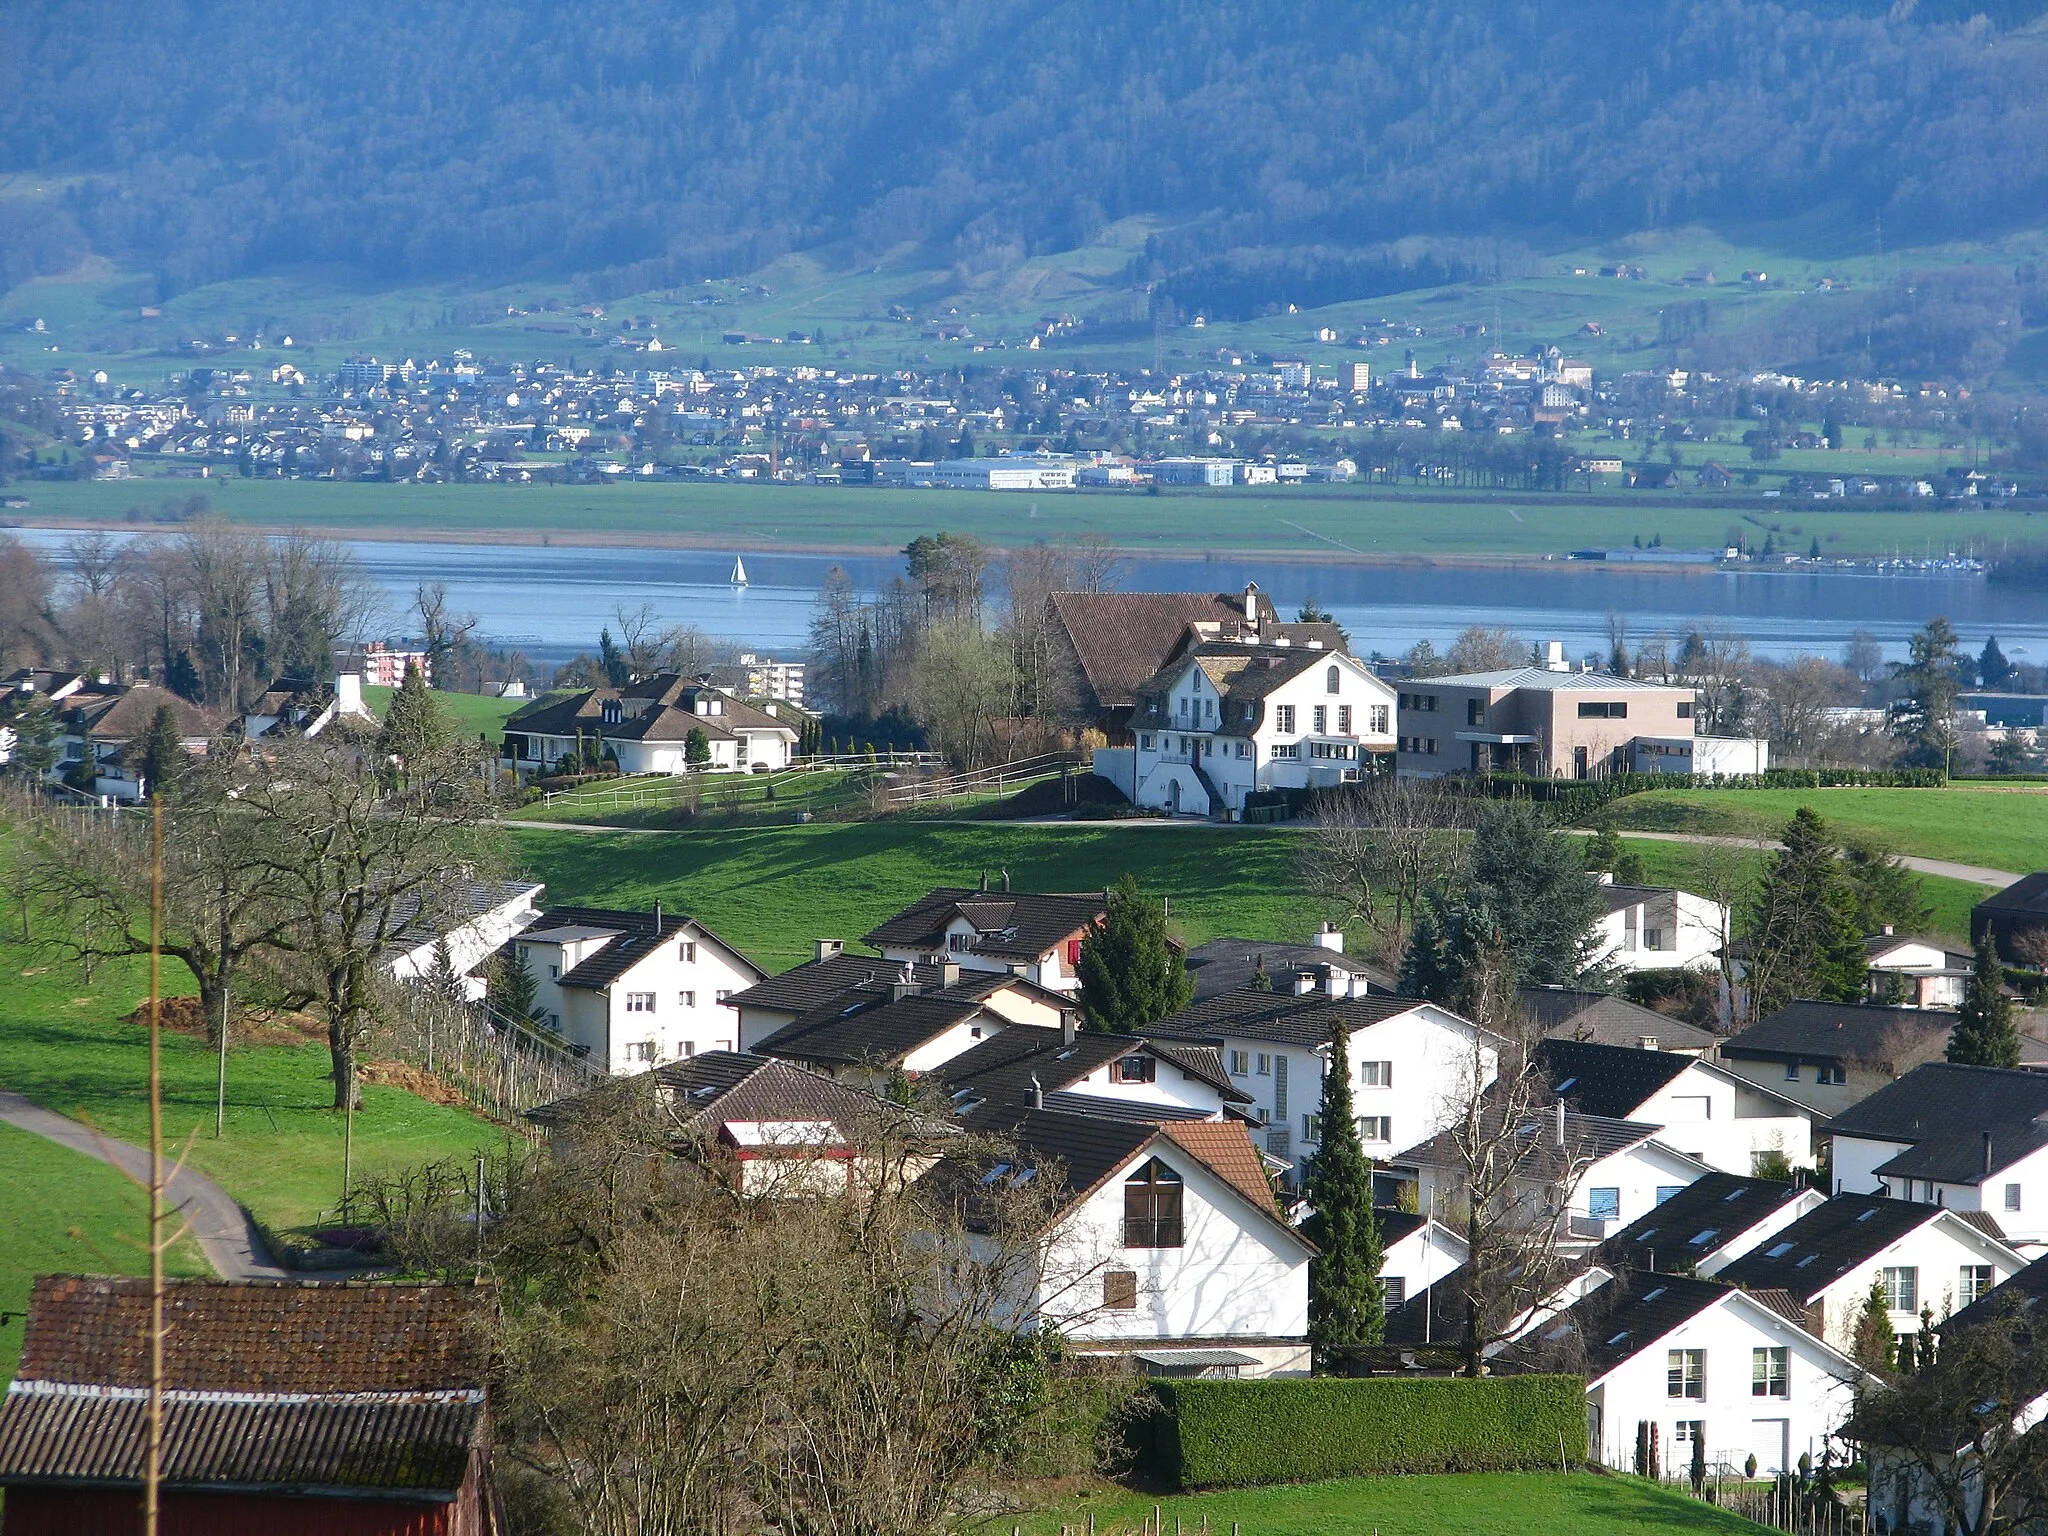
(1375, 849)
(1487, 648)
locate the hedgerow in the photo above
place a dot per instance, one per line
(1224, 1434)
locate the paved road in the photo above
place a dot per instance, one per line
(222, 1228)
(1947, 867)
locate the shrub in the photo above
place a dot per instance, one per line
(1221, 1434)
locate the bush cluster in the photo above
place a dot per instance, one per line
(1226, 1434)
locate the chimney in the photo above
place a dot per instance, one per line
(1251, 603)
(949, 973)
(1987, 1155)
(348, 692)
(827, 949)
(905, 984)
(1329, 936)
(1006, 880)
(1069, 1026)
(1553, 657)
(984, 879)
(1559, 1122)
(657, 919)
(1304, 983)
(1037, 1092)
(1888, 930)
(1647, 1042)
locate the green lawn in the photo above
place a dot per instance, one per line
(772, 890)
(1998, 829)
(1490, 1504)
(64, 1213)
(470, 713)
(63, 1045)
(660, 801)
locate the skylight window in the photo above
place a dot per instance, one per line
(995, 1173)
(1653, 1294)
(1868, 1214)
(1733, 1194)
(1566, 1085)
(1619, 1336)
(1559, 1332)
(1701, 1239)
(1778, 1250)
(1806, 1261)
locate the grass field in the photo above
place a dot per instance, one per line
(1317, 522)
(469, 713)
(62, 1043)
(772, 890)
(1493, 1504)
(1995, 828)
(64, 1213)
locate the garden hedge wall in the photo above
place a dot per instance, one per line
(1227, 1434)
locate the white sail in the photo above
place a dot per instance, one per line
(739, 572)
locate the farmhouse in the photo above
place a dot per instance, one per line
(652, 725)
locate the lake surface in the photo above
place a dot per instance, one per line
(551, 600)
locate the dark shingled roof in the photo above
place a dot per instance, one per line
(1227, 965)
(1594, 1136)
(2029, 1288)
(656, 708)
(1619, 898)
(999, 1070)
(1564, 1014)
(2025, 897)
(1610, 1080)
(1809, 1031)
(1281, 1017)
(870, 1030)
(1945, 1111)
(1618, 1321)
(1119, 639)
(1242, 675)
(1017, 925)
(1827, 1242)
(300, 1387)
(1697, 1222)
(638, 938)
(705, 1091)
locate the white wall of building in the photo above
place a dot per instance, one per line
(1938, 1254)
(688, 1013)
(1667, 930)
(1726, 1122)
(2016, 1194)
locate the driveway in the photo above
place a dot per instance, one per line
(1976, 873)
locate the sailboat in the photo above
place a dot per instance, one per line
(739, 571)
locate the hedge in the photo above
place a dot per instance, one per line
(1229, 1434)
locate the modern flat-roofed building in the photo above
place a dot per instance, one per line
(1019, 473)
(1548, 723)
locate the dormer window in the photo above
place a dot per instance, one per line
(610, 712)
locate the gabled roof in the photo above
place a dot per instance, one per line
(656, 708)
(1281, 1017)
(1121, 638)
(816, 983)
(1241, 675)
(1878, 945)
(1620, 1319)
(1228, 965)
(999, 1071)
(639, 936)
(1018, 925)
(339, 1389)
(1944, 1112)
(1619, 898)
(1564, 1014)
(415, 921)
(1815, 1031)
(870, 1030)
(1691, 1226)
(2025, 897)
(2029, 1287)
(1610, 1080)
(1828, 1242)
(1590, 1136)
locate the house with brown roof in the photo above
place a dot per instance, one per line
(1034, 934)
(648, 727)
(1106, 644)
(101, 721)
(342, 1408)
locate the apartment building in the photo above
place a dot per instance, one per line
(1543, 721)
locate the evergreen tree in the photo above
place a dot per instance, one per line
(1873, 1345)
(182, 678)
(1928, 682)
(158, 752)
(1130, 973)
(36, 729)
(415, 726)
(697, 748)
(1984, 1035)
(1347, 1303)
(513, 989)
(613, 660)
(1992, 668)
(1803, 936)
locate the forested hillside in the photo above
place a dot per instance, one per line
(654, 142)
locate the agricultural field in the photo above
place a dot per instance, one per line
(62, 1213)
(2003, 827)
(1490, 1504)
(1309, 522)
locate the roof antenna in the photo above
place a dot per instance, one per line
(657, 919)
(1037, 1092)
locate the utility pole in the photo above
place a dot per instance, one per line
(153, 1449)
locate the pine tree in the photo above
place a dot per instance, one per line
(613, 660)
(513, 989)
(1873, 1345)
(1131, 975)
(1803, 936)
(1992, 668)
(1346, 1299)
(414, 724)
(182, 678)
(159, 754)
(1984, 1035)
(697, 749)
(36, 729)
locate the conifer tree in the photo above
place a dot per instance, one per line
(1131, 974)
(697, 749)
(1984, 1035)
(414, 725)
(1873, 1345)
(1803, 936)
(1346, 1299)
(513, 989)
(159, 752)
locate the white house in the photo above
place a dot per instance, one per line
(1908, 972)
(1225, 718)
(1657, 928)
(1015, 472)
(1592, 1174)
(1927, 1257)
(1699, 1107)
(1416, 1252)
(308, 708)
(875, 1035)
(481, 919)
(834, 980)
(1708, 1225)
(649, 726)
(1411, 1061)
(633, 989)
(1701, 1360)
(1025, 1067)
(1033, 934)
(1969, 1138)
(1169, 1247)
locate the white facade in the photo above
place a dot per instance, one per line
(1776, 1425)
(1238, 1280)
(1611, 1192)
(1727, 1122)
(471, 943)
(1420, 1259)
(1666, 930)
(1725, 756)
(1167, 1086)
(1319, 727)
(1722, 1255)
(667, 1007)
(1053, 968)
(1929, 974)
(2014, 1192)
(1018, 473)
(1946, 1262)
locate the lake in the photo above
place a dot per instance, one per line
(551, 600)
